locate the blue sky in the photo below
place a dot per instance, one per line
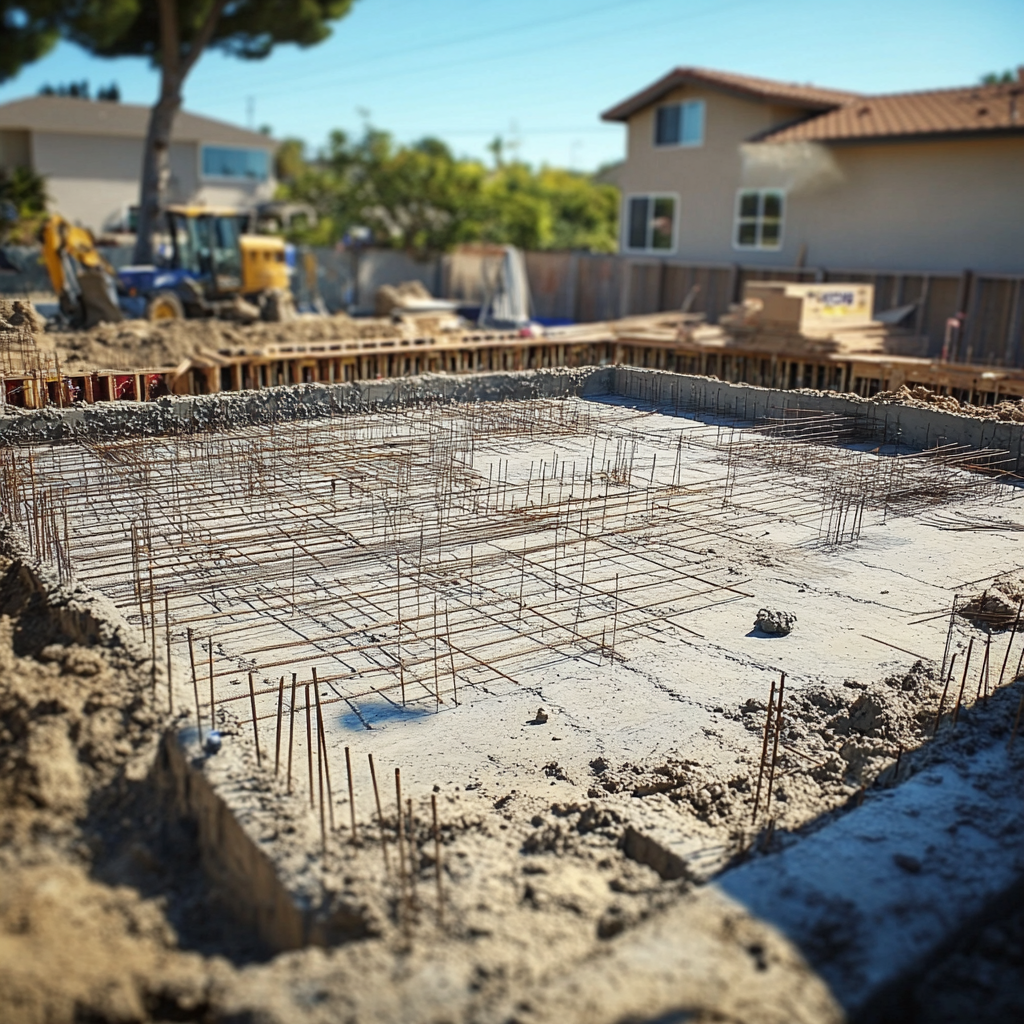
(538, 72)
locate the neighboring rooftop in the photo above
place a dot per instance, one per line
(810, 97)
(837, 115)
(979, 108)
(96, 117)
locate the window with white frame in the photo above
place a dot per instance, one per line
(237, 163)
(679, 124)
(651, 225)
(759, 218)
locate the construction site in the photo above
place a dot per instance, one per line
(395, 670)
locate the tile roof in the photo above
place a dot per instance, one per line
(975, 109)
(99, 117)
(808, 97)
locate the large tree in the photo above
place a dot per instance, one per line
(173, 34)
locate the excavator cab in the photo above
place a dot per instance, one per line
(207, 246)
(215, 249)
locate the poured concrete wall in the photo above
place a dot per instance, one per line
(913, 427)
(888, 423)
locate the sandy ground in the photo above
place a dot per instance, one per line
(105, 917)
(573, 839)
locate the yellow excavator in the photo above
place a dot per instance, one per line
(211, 266)
(84, 282)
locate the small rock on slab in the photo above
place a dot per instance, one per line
(770, 620)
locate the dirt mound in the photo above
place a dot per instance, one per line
(19, 317)
(996, 607)
(924, 398)
(136, 344)
(77, 735)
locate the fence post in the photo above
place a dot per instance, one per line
(625, 284)
(573, 286)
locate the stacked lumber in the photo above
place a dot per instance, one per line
(782, 317)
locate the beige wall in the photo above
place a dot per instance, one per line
(704, 177)
(243, 193)
(92, 180)
(927, 205)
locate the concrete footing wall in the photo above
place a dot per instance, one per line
(236, 832)
(185, 414)
(888, 423)
(242, 820)
(915, 428)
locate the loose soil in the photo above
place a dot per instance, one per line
(106, 915)
(921, 397)
(136, 344)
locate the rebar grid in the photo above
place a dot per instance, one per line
(428, 554)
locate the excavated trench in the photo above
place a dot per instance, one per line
(155, 878)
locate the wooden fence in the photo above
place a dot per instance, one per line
(583, 287)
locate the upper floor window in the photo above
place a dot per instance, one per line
(229, 162)
(759, 219)
(652, 224)
(679, 124)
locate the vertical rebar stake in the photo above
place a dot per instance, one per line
(167, 633)
(291, 733)
(380, 816)
(213, 723)
(322, 744)
(195, 684)
(775, 748)
(280, 713)
(351, 795)
(255, 729)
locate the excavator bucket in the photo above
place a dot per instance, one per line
(99, 306)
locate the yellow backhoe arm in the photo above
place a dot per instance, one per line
(70, 252)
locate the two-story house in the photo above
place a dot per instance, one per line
(724, 168)
(91, 155)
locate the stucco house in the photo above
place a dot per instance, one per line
(91, 154)
(724, 168)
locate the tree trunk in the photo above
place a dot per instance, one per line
(156, 160)
(156, 165)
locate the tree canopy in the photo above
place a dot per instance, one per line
(23, 201)
(422, 198)
(242, 28)
(28, 31)
(172, 34)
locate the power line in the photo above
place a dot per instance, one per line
(493, 57)
(473, 37)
